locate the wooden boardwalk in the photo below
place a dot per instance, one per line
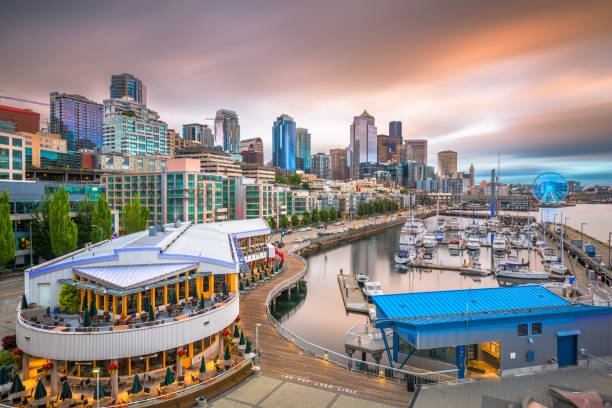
(353, 299)
(282, 359)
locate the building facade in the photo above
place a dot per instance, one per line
(78, 119)
(284, 143)
(227, 131)
(118, 162)
(387, 149)
(49, 151)
(130, 127)
(12, 156)
(252, 150)
(395, 131)
(212, 161)
(128, 85)
(339, 168)
(321, 165)
(24, 120)
(363, 146)
(447, 164)
(302, 150)
(258, 172)
(202, 134)
(419, 149)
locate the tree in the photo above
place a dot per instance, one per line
(62, 230)
(315, 216)
(7, 237)
(134, 217)
(323, 214)
(68, 297)
(295, 220)
(305, 186)
(295, 179)
(83, 220)
(102, 218)
(280, 180)
(284, 221)
(333, 214)
(306, 219)
(271, 222)
(41, 244)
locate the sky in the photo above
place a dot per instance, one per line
(529, 80)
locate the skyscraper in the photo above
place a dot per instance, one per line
(321, 165)
(419, 150)
(196, 132)
(386, 149)
(283, 143)
(472, 175)
(130, 127)
(252, 150)
(395, 131)
(447, 164)
(227, 131)
(339, 168)
(363, 142)
(302, 150)
(128, 85)
(77, 119)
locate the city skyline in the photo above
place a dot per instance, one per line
(526, 80)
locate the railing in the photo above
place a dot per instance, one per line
(243, 266)
(366, 367)
(366, 337)
(597, 362)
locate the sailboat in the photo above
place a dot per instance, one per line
(503, 271)
(558, 266)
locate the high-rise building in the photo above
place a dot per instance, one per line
(395, 131)
(24, 120)
(363, 142)
(130, 127)
(339, 169)
(196, 132)
(321, 165)
(419, 150)
(128, 85)
(386, 149)
(177, 142)
(284, 143)
(472, 174)
(405, 153)
(252, 150)
(211, 161)
(302, 150)
(227, 131)
(77, 119)
(447, 164)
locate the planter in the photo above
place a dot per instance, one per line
(201, 401)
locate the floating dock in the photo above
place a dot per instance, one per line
(352, 296)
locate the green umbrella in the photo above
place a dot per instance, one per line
(92, 308)
(83, 305)
(203, 365)
(136, 387)
(86, 321)
(98, 391)
(173, 298)
(227, 355)
(224, 288)
(260, 276)
(41, 391)
(201, 305)
(3, 376)
(242, 342)
(241, 285)
(169, 377)
(247, 350)
(24, 303)
(66, 392)
(151, 313)
(17, 385)
(236, 331)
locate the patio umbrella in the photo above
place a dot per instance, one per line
(227, 355)
(66, 392)
(241, 285)
(98, 391)
(86, 321)
(236, 331)
(224, 288)
(17, 385)
(24, 303)
(92, 308)
(203, 365)
(242, 342)
(136, 386)
(3, 376)
(201, 304)
(260, 276)
(173, 298)
(41, 391)
(151, 312)
(248, 347)
(169, 377)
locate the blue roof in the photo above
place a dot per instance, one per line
(426, 308)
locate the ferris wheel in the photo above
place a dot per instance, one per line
(549, 188)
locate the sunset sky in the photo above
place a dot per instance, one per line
(529, 79)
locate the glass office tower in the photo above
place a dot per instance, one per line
(302, 150)
(77, 119)
(128, 85)
(284, 143)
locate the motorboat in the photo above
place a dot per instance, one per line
(513, 262)
(540, 243)
(412, 233)
(405, 256)
(499, 244)
(549, 255)
(515, 273)
(441, 225)
(473, 243)
(429, 241)
(474, 268)
(439, 236)
(372, 289)
(518, 242)
(454, 244)
(482, 230)
(558, 268)
(454, 224)
(361, 280)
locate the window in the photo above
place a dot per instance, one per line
(16, 142)
(4, 158)
(522, 330)
(4, 140)
(536, 328)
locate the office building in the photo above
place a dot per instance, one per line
(130, 127)
(202, 134)
(258, 172)
(49, 151)
(23, 120)
(77, 119)
(395, 131)
(339, 168)
(363, 143)
(284, 143)
(447, 164)
(387, 149)
(227, 131)
(177, 142)
(252, 150)
(321, 165)
(12, 156)
(405, 153)
(125, 163)
(472, 175)
(128, 85)
(211, 161)
(302, 150)
(419, 150)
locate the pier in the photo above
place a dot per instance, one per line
(352, 295)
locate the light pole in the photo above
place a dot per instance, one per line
(582, 234)
(100, 229)
(96, 371)
(609, 235)
(256, 366)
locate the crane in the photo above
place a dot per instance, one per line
(22, 100)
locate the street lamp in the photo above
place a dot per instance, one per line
(609, 235)
(100, 229)
(582, 234)
(96, 371)
(257, 353)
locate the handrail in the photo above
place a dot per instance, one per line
(349, 363)
(109, 329)
(607, 364)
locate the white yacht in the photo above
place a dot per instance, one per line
(473, 243)
(499, 244)
(454, 224)
(441, 226)
(482, 230)
(549, 254)
(372, 289)
(405, 256)
(412, 233)
(429, 241)
(454, 244)
(558, 268)
(475, 268)
(521, 274)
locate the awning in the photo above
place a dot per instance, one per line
(568, 333)
(124, 277)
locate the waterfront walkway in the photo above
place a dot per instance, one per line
(283, 360)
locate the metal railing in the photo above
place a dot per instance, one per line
(598, 363)
(352, 364)
(243, 266)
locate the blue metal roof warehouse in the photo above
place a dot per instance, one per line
(457, 318)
